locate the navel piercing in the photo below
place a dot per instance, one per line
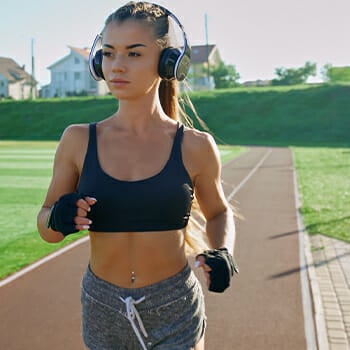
(133, 277)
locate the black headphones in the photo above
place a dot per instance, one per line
(173, 63)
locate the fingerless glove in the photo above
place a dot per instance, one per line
(223, 267)
(62, 214)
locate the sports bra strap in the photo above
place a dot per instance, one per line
(92, 132)
(92, 145)
(176, 149)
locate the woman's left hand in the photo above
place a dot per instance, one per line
(200, 262)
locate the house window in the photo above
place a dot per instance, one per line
(76, 60)
(2, 84)
(77, 76)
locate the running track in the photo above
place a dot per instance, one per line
(262, 310)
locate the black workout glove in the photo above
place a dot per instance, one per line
(62, 214)
(223, 267)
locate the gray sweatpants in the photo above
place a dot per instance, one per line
(166, 315)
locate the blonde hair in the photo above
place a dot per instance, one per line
(170, 99)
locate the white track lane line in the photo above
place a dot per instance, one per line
(251, 173)
(42, 261)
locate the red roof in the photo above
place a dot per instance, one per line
(12, 71)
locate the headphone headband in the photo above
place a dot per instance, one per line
(173, 63)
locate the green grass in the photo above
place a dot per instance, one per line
(25, 171)
(310, 115)
(229, 152)
(323, 179)
(45, 119)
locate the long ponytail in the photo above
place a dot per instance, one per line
(169, 96)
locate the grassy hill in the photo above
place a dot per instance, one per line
(313, 115)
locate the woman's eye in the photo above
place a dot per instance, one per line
(106, 54)
(134, 54)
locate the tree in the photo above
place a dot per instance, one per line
(225, 76)
(335, 74)
(294, 76)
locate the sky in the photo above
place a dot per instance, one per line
(256, 36)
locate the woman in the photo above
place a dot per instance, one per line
(130, 180)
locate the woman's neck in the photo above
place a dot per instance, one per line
(139, 113)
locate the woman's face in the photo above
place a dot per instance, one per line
(130, 59)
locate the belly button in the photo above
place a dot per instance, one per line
(133, 277)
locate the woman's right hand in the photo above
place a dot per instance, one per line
(70, 213)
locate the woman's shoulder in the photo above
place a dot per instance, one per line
(200, 152)
(75, 131)
(75, 134)
(199, 142)
(74, 140)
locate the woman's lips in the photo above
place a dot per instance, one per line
(119, 82)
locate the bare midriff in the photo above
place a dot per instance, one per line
(137, 259)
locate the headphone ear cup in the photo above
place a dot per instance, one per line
(97, 64)
(183, 65)
(167, 63)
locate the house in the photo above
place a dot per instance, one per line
(198, 74)
(15, 82)
(71, 76)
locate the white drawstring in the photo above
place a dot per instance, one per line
(131, 312)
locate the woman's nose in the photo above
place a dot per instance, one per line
(118, 64)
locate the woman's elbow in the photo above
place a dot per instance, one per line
(50, 236)
(47, 234)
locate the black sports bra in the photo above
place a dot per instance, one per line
(160, 202)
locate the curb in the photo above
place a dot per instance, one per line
(320, 324)
(307, 264)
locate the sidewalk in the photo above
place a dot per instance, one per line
(331, 264)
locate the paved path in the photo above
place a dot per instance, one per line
(262, 310)
(332, 275)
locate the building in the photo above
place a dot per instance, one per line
(15, 82)
(198, 74)
(71, 76)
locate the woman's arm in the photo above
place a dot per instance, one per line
(203, 163)
(68, 160)
(220, 226)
